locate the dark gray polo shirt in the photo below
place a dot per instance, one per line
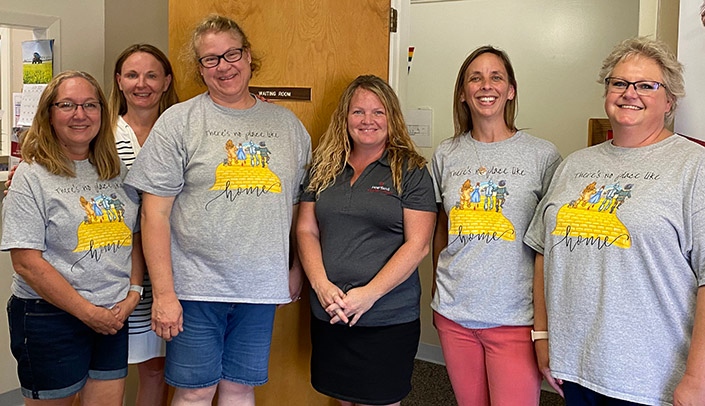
(361, 227)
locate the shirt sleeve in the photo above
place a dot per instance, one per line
(417, 190)
(159, 168)
(23, 213)
(303, 160)
(554, 159)
(536, 232)
(437, 175)
(307, 196)
(697, 255)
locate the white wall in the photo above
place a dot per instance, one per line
(131, 22)
(556, 47)
(8, 379)
(82, 30)
(691, 52)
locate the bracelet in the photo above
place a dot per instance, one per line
(539, 335)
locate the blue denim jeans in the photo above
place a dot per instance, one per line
(56, 353)
(577, 395)
(228, 341)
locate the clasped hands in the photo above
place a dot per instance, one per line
(109, 321)
(345, 307)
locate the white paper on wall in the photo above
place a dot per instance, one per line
(690, 120)
(30, 100)
(419, 123)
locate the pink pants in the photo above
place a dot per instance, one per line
(494, 366)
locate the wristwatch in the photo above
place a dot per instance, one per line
(139, 289)
(539, 335)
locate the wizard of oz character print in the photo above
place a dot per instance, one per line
(592, 217)
(103, 227)
(245, 169)
(478, 212)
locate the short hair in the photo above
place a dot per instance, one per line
(335, 145)
(118, 104)
(462, 119)
(659, 52)
(214, 23)
(41, 145)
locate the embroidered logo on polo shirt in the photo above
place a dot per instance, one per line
(380, 189)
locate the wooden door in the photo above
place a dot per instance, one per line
(318, 44)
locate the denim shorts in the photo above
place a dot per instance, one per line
(220, 341)
(56, 352)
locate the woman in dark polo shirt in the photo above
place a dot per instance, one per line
(365, 222)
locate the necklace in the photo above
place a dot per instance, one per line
(481, 170)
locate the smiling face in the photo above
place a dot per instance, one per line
(631, 110)
(367, 121)
(142, 81)
(75, 130)
(228, 82)
(486, 87)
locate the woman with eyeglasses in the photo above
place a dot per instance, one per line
(143, 88)
(71, 229)
(489, 177)
(217, 223)
(620, 248)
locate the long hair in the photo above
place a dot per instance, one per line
(214, 23)
(462, 120)
(335, 145)
(659, 52)
(41, 145)
(118, 104)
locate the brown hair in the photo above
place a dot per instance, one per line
(118, 104)
(462, 120)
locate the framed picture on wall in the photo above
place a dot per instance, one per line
(599, 130)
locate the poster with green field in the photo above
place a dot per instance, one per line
(37, 61)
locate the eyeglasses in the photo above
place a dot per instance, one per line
(642, 87)
(91, 107)
(231, 55)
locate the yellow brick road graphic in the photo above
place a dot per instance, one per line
(102, 233)
(246, 177)
(476, 221)
(588, 222)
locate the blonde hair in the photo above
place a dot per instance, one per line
(334, 149)
(41, 145)
(118, 103)
(214, 23)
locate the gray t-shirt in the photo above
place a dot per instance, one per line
(621, 230)
(484, 276)
(235, 175)
(82, 225)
